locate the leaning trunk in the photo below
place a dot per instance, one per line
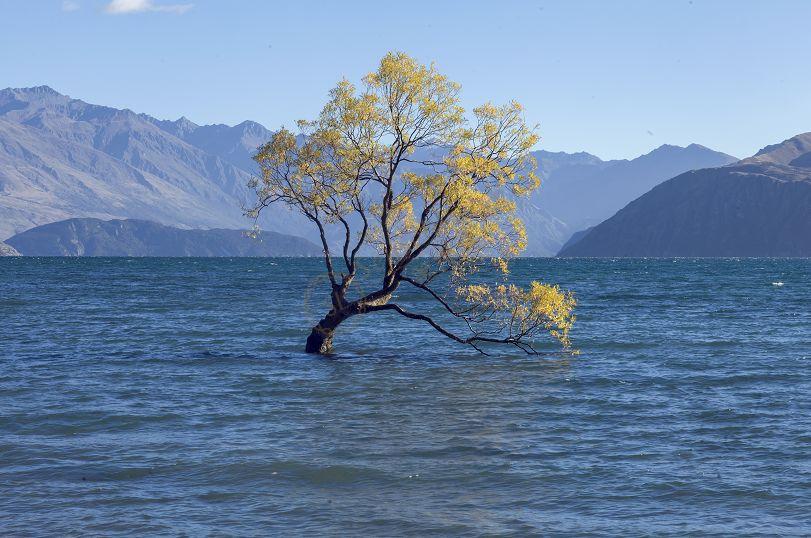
(320, 339)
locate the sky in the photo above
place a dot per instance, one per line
(614, 78)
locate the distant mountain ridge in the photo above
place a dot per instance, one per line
(235, 145)
(62, 158)
(760, 206)
(789, 152)
(589, 191)
(581, 190)
(95, 237)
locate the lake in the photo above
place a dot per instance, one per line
(172, 397)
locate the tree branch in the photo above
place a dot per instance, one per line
(471, 340)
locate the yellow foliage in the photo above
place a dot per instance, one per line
(541, 306)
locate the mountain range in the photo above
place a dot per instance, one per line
(62, 158)
(585, 191)
(580, 190)
(760, 206)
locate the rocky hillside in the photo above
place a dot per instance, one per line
(758, 207)
(796, 151)
(62, 157)
(94, 237)
(7, 250)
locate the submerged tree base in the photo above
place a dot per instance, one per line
(319, 341)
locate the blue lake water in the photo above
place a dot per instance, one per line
(171, 397)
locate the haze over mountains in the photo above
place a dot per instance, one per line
(580, 190)
(584, 191)
(760, 206)
(62, 158)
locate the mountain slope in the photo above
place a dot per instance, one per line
(749, 209)
(94, 237)
(545, 232)
(7, 250)
(786, 152)
(62, 157)
(45, 178)
(584, 194)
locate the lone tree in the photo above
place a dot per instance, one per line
(398, 167)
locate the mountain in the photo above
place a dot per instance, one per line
(545, 232)
(62, 157)
(235, 145)
(793, 152)
(576, 237)
(803, 161)
(7, 250)
(760, 206)
(586, 191)
(95, 237)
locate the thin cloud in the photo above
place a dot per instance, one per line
(68, 5)
(124, 7)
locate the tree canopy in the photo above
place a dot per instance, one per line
(398, 166)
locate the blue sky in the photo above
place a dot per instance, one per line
(615, 78)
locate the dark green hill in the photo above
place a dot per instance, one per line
(95, 237)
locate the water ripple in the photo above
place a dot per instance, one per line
(171, 397)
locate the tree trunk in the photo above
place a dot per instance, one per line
(320, 339)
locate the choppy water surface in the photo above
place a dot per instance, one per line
(171, 397)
